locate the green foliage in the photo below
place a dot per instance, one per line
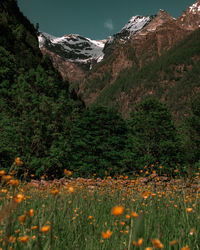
(99, 138)
(36, 109)
(154, 135)
(193, 125)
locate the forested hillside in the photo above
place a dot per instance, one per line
(36, 109)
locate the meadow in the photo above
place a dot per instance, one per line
(145, 212)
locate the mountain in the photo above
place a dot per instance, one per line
(145, 45)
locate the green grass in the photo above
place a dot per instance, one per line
(161, 215)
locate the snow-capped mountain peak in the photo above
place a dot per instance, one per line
(136, 23)
(195, 8)
(73, 47)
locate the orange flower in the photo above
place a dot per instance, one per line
(90, 217)
(145, 194)
(185, 248)
(34, 227)
(128, 216)
(67, 172)
(23, 239)
(30, 212)
(55, 191)
(173, 242)
(148, 248)
(138, 243)
(189, 210)
(106, 234)
(14, 182)
(12, 239)
(6, 177)
(33, 237)
(71, 190)
(2, 172)
(117, 210)
(18, 161)
(122, 223)
(134, 214)
(19, 198)
(157, 244)
(45, 229)
(22, 218)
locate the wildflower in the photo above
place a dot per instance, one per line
(2, 172)
(192, 231)
(22, 218)
(12, 239)
(138, 243)
(45, 229)
(33, 237)
(90, 217)
(145, 194)
(71, 190)
(134, 214)
(189, 210)
(30, 212)
(107, 234)
(176, 171)
(173, 242)
(128, 216)
(122, 223)
(157, 244)
(6, 178)
(148, 248)
(34, 227)
(55, 191)
(18, 161)
(67, 172)
(23, 239)
(185, 248)
(117, 210)
(19, 198)
(14, 182)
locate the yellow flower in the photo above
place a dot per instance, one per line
(106, 234)
(19, 198)
(45, 229)
(18, 161)
(117, 210)
(23, 239)
(22, 218)
(157, 244)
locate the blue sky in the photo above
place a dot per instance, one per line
(96, 19)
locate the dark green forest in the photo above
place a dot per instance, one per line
(50, 128)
